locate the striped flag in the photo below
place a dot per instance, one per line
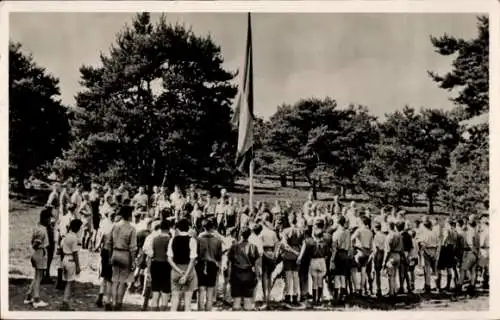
(243, 113)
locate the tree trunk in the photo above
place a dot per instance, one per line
(320, 185)
(343, 191)
(430, 198)
(293, 181)
(314, 189)
(283, 180)
(410, 198)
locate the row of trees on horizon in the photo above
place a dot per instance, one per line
(123, 130)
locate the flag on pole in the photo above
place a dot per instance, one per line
(243, 113)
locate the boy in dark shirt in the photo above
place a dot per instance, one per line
(405, 258)
(209, 261)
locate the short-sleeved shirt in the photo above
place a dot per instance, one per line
(140, 200)
(69, 244)
(363, 238)
(209, 247)
(53, 200)
(341, 239)
(123, 237)
(450, 237)
(76, 198)
(63, 225)
(294, 237)
(429, 238)
(394, 242)
(316, 247)
(257, 241)
(243, 255)
(40, 236)
(159, 246)
(379, 241)
(148, 243)
(269, 237)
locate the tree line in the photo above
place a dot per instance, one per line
(157, 110)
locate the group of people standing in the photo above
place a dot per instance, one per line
(171, 246)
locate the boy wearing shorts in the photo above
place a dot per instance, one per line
(70, 262)
(39, 243)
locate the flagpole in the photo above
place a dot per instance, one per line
(250, 184)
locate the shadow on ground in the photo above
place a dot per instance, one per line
(85, 294)
(84, 297)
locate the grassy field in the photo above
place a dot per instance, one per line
(23, 216)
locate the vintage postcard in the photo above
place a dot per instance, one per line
(227, 158)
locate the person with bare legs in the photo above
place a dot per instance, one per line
(39, 243)
(122, 247)
(182, 253)
(71, 261)
(341, 246)
(208, 265)
(363, 242)
(243, 271)
(392, 256)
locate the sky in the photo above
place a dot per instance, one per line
(379, 60)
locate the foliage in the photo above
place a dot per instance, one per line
(467, 185)
(317, 138)
(470, 73)
(38, 124)
(158, 107)
(412, 156)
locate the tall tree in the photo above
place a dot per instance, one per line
(158, 107)
(315, 134)
(470, 69)
(38, 123)
(468, 177)
(412, 156)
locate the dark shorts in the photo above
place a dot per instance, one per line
(243, 283)
(342, 263)
(160, 277)
(106, 267)
(230, 220)
(446, 258)
(378, 260)
(290, 265)
(268, 262)
(207, 272)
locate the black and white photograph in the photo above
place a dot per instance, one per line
(248, 161)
